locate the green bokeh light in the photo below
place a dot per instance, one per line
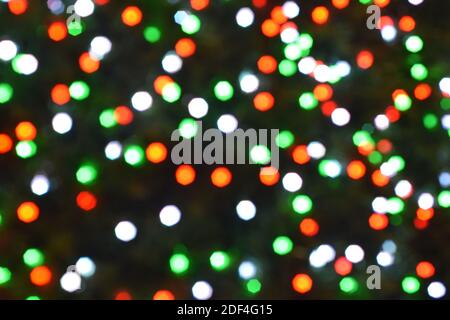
(444, 199)
(302, 204)
(171, 92)
(219, 260)
(191, 24)
(79, 90)
(287, 68)
(6, 92)
(152, 34)
(188, 128)
(26, 149)
(307, 101)
(410, 285)
(223, 90)
(86, 174)
(260, 154)
(253, 286)
(5, 275)
(282, 245)
(33, 257)
(348, 285)
(284, 139)
(107, 118)
(134, 155)
(179, 263)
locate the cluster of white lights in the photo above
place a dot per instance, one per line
(246, 210)
(391, 167)
(354, 253)
(321, 256)
(40, 185)
(62, 123)
(322, 73)
(141, 101)
(245, 17)
(125, 231)
(198, 108)
(170, 215)
(202, 290)
(292, 182)
(227, 123)
(383, 205)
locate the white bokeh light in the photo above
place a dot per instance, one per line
(8, 50)
(425, 201)
(354, 253)
(340, 117)
(141, 101)
(249, 82)
(62, 123)
(246, 210)
(100, 47)
(113, 150)
(198, 108)
(385, 259)
(84, 8)
(292, 182)
(202, 290)
(321, 256)
(316, 150)
(40, 185)
(227, 123)
(85, 267)
(172, 63)
(70, 282)
(436, 290)
(247, 270)
(245, 17)
(170, 215)
(125, 231)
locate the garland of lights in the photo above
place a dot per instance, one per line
(293, 55)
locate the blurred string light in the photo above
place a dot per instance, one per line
(296, 46)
